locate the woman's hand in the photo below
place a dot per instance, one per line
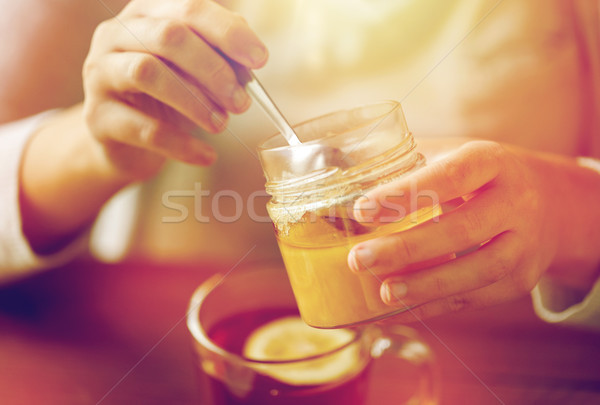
(156, 72)
(521, 214)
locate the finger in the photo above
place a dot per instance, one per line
(129, 126)
(491, 263)
(490, 295)
(220, 27)
(464, 171)
(145, 73)
(176, 43)
(466, 226)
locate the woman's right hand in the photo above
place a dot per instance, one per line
(156, 72)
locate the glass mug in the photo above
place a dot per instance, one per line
(313, 187)
(251, 347)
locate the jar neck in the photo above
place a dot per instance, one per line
(357, 178)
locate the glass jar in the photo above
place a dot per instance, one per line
(313, 187)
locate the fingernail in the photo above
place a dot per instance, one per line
(385, 294)
(218, 120)
(257, 54)
(391, 293)
(364, 209)
(240, 98)
(210, 155)
(361, 258)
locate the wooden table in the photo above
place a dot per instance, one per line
(92, 333)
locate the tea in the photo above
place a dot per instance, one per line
(339, 376)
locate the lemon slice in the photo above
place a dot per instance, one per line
(290, 339)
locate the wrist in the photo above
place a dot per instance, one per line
(576, 191)
(63, 182)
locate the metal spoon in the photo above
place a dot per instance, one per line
(300, 161)
(260, 95)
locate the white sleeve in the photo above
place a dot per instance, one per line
(17, 259)
(556, 303)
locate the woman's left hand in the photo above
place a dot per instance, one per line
(521, 213)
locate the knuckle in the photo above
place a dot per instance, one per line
(461, 233)
(405, 250)
(454, 173)
(238, 21)
(239, 18)
(456, 303)
(232, 27)
(441, 287)
(103, 36)
(477, 156)
(143, 69)
(501, 266)
(484, 148)
(102, 30)
(524, 282)
(529, 197)
(220, 72)
(170, 34)
(469, 230)
(94, 117)
(473, 222)
(89, 69)
(192, 7)
(489, 152)
(494, 150)
(150, 133)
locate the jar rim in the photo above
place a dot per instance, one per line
(393, 106)
(340, 148)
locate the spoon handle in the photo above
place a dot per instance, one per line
(260, 95)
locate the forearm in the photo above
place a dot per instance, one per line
(569, 290)
(65, 179)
